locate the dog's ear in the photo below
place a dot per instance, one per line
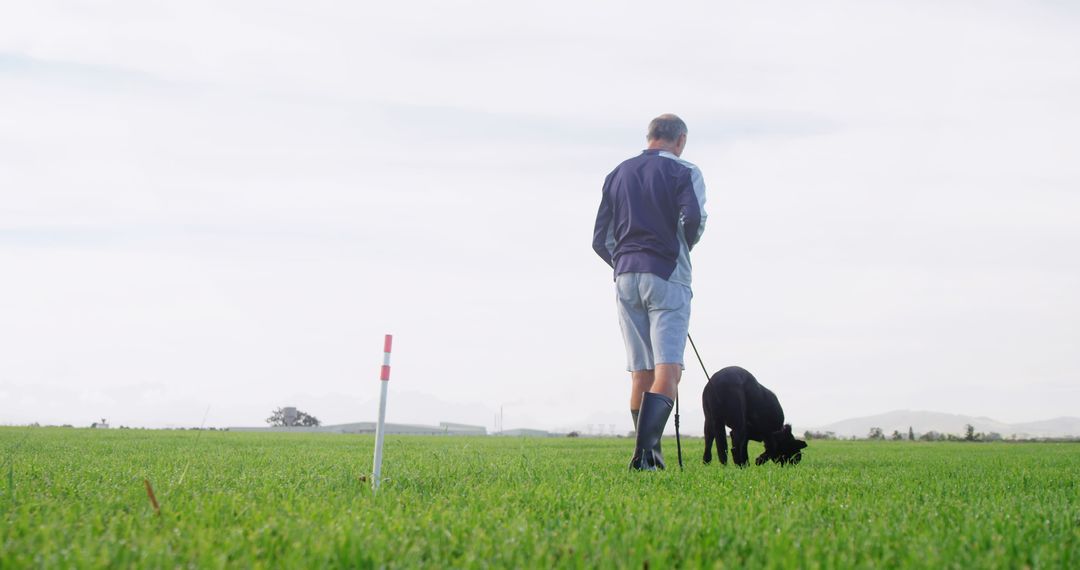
(787, 429)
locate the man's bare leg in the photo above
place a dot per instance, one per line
(667, 380)
(653, 415)
(641, 381)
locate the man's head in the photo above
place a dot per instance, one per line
(667, 132)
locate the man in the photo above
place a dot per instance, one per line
(651, 214)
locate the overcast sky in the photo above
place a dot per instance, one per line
(226, 205)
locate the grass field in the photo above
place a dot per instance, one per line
(75, 498)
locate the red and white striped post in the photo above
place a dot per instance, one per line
(384, 379)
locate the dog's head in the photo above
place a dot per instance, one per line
(782, 447)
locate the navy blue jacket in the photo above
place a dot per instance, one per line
(651, 214)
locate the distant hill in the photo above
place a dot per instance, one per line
(923, 422)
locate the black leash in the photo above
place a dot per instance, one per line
(678, 440)
(698, 354)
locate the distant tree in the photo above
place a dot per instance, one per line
(969, 433)
(819, 434)
(876, 433)
(277, 419)
(897, 436)
(910, 434)
(573, 434)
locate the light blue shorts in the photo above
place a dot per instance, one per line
(654, 315)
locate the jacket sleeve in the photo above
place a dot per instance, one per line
(604, 230)
(691, 201)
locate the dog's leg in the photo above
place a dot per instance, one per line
(738, 447)
(721, 444)
(735, 416)
(707, 458)
(739, 438)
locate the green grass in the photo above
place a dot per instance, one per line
(75, 499)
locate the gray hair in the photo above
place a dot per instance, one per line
(668, 127)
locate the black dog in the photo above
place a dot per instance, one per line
(734, 398)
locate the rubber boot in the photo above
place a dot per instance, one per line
(655, 409)
(634, 414)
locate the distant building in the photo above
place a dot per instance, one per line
(527, 433)
(462, 429)
(100, 425)
(290, 416)
(444, 428)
